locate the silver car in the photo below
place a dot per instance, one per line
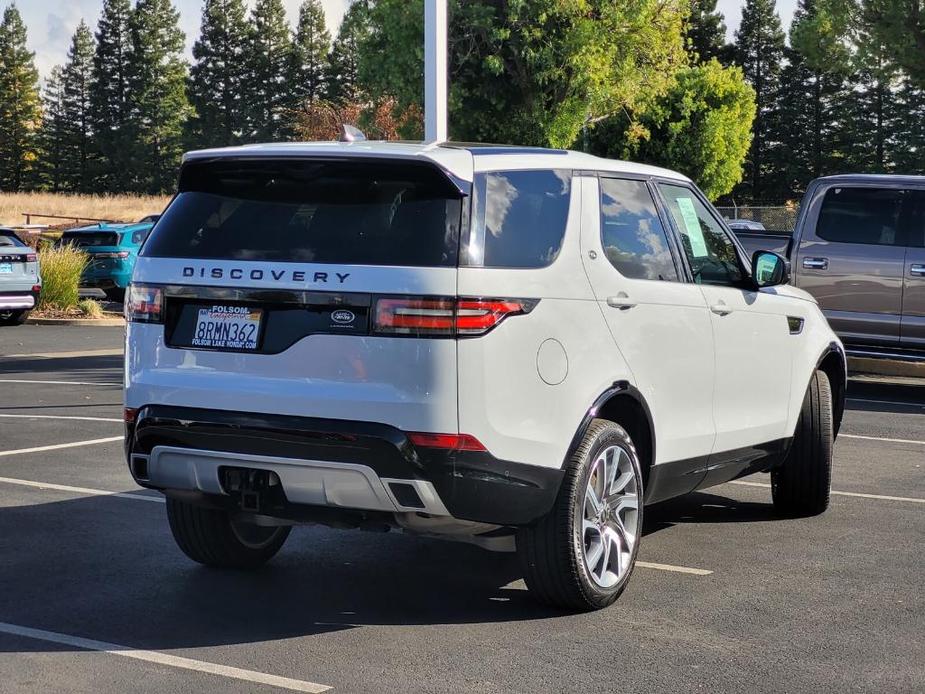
(20, 282)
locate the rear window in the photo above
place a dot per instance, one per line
(8, 239)
(313, 211)
(874, 216)
(84, 239)
(519, 218)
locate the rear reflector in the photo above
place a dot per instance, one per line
(425, 316)
(144, 304)
(454, 442)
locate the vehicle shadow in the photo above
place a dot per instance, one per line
(907, 397)
(92, 368)
(107, 569)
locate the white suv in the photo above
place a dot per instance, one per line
(508, 346)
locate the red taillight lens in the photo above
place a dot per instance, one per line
(144, 304)
(415, 316)
(31, 257)
(111, 254)
(454, 442)
(444, 316)
(129, 414)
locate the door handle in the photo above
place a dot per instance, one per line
(816, 263)
(917, 269)
(621, 301)
(721, 308)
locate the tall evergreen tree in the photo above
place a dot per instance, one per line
(907, 141)
(268, 64)
(706, 32)
(158, 106)
(759, 49)
(218, 77)
(78, 84)
(53, 135)
(342, 84)
(309, 59)
(20, 104)
(109, 95)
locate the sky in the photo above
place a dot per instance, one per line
(51, 23)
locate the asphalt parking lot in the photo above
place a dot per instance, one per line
(95, 596)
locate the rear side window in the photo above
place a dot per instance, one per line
(873, 216)
(10, 240)
(632, 234)
(138, 237)
(519, 218)
(313, 211)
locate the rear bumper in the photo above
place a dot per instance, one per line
(334, 463)
(106, 281)
(18, 299)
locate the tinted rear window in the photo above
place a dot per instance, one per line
(313, 211)
(85, 239)
(876, 216)
(519, 218)
(9, 239)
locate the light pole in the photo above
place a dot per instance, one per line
(435, 70)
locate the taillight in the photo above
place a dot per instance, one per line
(453, 442)
(144, 304)
(111, 254)
(31, 257)
(422, 316)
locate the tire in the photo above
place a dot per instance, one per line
(210, 536)
(557, 552)
(115, 295)
(13, 317)
(800, 487)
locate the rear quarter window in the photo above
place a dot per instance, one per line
(519, 218)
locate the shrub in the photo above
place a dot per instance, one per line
(61, 269)
(90, 308)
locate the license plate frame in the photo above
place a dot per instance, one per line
(233, 328)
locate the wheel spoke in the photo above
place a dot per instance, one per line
(592, 500)
(621, 482)
(614, 551)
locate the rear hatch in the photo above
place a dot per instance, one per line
(18, 266)
(312, 287)
(102, 246)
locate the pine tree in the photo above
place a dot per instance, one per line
(907, 142)
(268, 63)
(20, 104)
(342, 87)
(706, 32)
(309, 59)
(759, 49)
(158, 106)
(109, 96)
(53, 135)
(218, 77)
(78, 84)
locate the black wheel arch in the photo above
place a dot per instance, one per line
(623, 404)
(834, 364)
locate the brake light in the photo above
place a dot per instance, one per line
(111, 254)
(444, 316)
(31, 257)
(453, 442)
(144, 304)
(129, 414)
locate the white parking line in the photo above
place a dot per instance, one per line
(165, 659)
(58, 446)
(57, 383)
(81, 490)
(69, 355)
(676, 569)
(55, 416)
(882, 497)
(880, 438)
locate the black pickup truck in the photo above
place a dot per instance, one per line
(859, 248)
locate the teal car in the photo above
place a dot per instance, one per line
(113, 249)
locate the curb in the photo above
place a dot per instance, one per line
(84, 322)
(885, 367)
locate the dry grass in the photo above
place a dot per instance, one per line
(117, 208)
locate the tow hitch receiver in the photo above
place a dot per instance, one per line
(256, 490)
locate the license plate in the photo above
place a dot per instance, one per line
(6, 268)
(227, 327)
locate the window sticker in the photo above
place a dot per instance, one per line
(692, 223)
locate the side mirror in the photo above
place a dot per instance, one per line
(769, 269)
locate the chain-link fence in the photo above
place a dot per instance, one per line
(773, 218)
